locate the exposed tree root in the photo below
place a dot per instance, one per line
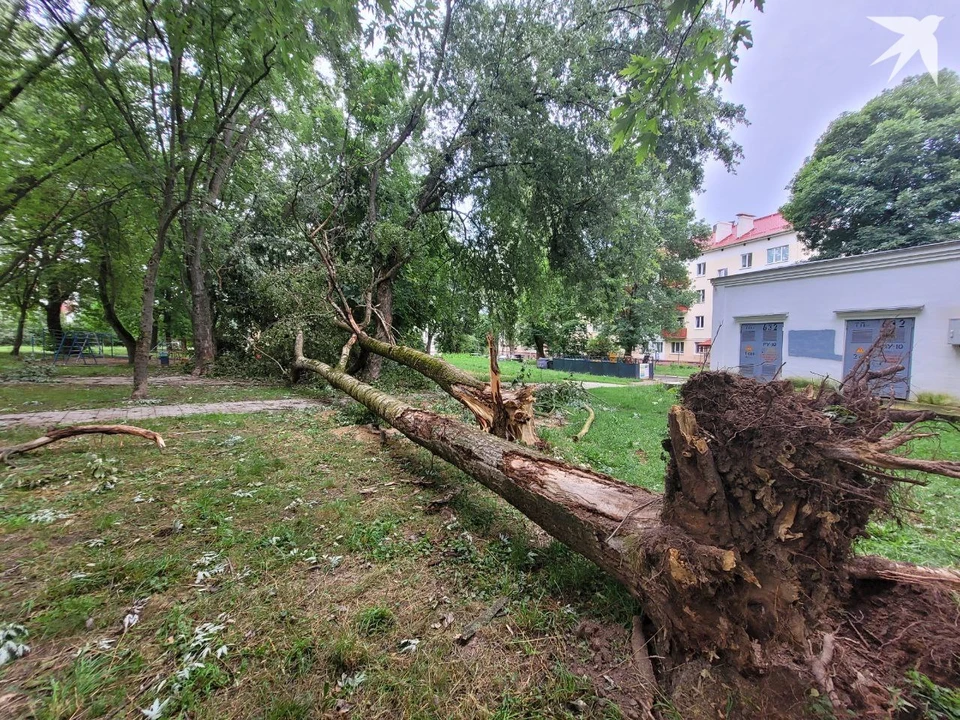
(53, 436)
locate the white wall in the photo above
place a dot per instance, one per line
(923, 283)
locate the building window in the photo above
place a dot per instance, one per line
(746, 260)
(722, 272)
(701, 269)
(702, 348)
(655, 347)
(701, 296)
(778, 254)
(676, 348)
(699, 321)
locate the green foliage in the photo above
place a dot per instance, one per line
(886, 176)
(666, 87)
(600, 346)
(30, 369)
(561, 396)
(935, 398)
(933, 701)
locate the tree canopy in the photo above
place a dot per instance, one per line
(452, 163)
(886, 176)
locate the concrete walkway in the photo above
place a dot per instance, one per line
(136, 413)
(158, 381)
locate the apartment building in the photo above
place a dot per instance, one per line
(748, 244)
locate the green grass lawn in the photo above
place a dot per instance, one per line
(282, 567)
(290, 566)
(103, 366)
(625, 439)
(39, 397)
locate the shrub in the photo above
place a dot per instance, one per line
(935, 398)
(31, 370)
(600, 346)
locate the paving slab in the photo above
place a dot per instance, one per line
(139, 413)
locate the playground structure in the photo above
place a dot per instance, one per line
(88, 346)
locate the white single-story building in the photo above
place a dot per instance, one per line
(816, 318)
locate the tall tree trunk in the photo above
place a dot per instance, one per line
(110, 310)
(429, 344)
(201, 307)
(538, 342)
(141, 356)
(56, 296)
(21, 324)
(383, 302)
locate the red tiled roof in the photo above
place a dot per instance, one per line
(708, 342)
(680, 334)
(762, 227)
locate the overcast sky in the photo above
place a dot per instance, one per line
(811, 60)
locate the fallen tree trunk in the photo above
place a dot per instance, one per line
(475, 395)
(747, 556)
(58, 434)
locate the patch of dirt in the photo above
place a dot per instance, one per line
(888, 627)
(611, 667)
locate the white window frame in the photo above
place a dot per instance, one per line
(746, 261)
(779, 254)
(702, 349)
(701, 269)
(701, 296)
(676, 347)
(699, 322)
(722, 272)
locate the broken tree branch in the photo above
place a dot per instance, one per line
(53, 436)
(586, 426)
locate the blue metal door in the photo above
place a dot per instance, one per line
(860, 336)
(761, 349)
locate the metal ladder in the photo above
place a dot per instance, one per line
(78, 345)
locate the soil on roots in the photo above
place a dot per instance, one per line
(753, 472)
(885, 629)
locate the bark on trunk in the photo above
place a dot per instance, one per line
(18, 338)
(201, 306)
(110, 309)
(473, 394)
(384, 327)
(141, 356)
(538, 342)
(55, 299)
(592, 513)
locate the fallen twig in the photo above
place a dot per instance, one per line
(641, 658)
(53, 436)
(586, 426)
(489, 614)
